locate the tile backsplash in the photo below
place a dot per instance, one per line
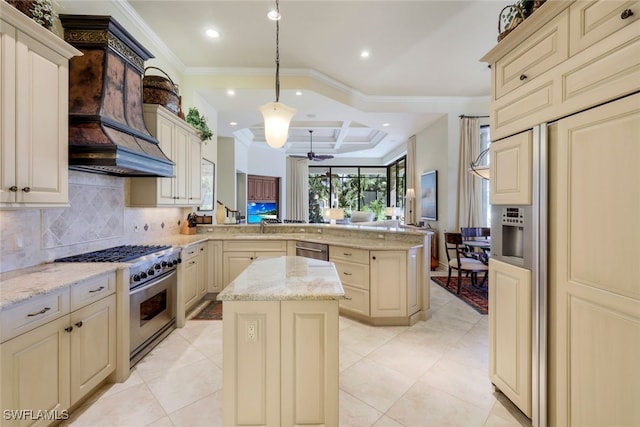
(97, 218)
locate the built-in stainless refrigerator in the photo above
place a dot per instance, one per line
(518, 272)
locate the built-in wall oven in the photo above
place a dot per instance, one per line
(152, 291)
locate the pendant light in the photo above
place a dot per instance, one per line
(277, 116)
(481, 171)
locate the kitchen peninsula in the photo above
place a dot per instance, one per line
(280, 340)
(381, 269)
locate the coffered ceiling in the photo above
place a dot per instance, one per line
(423, 62)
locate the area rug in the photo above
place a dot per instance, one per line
(211, 311)
(476, 297)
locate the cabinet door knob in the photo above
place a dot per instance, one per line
(26, 189)
(79, 324)
(523, 77)
(373, 257)
(13, 188)
(627, 13)
(69, 328)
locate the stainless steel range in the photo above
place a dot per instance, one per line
(152, 291)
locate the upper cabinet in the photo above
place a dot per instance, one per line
(511, 170)
(263, 188)
(34, 79)
(566, 57)
(181, 143)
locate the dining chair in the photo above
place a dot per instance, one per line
(473, 233)
(476, 233)
(459, 259)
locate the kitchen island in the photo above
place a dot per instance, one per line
(280, 339)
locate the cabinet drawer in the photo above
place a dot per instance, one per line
(605, 72)
(348, 254)
(524, 107)
(358, 301)
(255, 245)
(33, 313)
(192, 251)
(92, 290)
(352, 274)
(547, 48)
(593, 21)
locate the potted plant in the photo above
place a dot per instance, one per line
(198, 121)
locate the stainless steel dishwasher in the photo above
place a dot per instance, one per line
(313, 250)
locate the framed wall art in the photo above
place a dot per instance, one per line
(429, 195)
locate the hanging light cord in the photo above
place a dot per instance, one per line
(278, 52)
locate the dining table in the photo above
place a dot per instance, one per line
(482, 244)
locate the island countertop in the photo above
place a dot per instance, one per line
(285, 278)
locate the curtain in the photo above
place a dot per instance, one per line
(297, 189)
(410, 177)
(469, 206)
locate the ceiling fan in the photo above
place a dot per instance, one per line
(313, 156)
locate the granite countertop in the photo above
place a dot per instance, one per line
(285, 278)
(20, 285)
(375, 244)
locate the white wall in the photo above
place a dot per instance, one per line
(437, 148)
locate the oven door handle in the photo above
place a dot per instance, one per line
(151, 283)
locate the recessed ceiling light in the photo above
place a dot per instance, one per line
(298, 93)
(233, 123)
(230, 92)
(386, 124)
(274, 15)
(212, 33)
(364, 54)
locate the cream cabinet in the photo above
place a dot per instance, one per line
(194, 270)
(595, 295)
(34, 70)
(394, 283)
(511, 170)
(238, 254)
(280, 363)
(381, 286)
(51, 366)
(181, 143)
(591, 100)
(214, 266)
(352, 266)
(510, 332)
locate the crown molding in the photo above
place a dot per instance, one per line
(142, 26)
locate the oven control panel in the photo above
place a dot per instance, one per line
(153, 266)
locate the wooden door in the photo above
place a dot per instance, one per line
(388, 275)
(594, 377)
(510, 332)
(35, 371)
(41, 116)
(190, 281)
(93, 346)
(511, 170)
(234, 264)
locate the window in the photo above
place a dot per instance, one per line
(485, 140)
(351, 188)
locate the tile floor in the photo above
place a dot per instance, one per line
(431, 374)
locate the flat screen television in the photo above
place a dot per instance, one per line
(256, 211)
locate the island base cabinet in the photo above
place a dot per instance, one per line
(280, 363)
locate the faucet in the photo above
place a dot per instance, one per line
(261, 227)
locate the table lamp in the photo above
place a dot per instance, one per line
(333, 214)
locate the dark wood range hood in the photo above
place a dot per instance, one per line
(107, 133)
